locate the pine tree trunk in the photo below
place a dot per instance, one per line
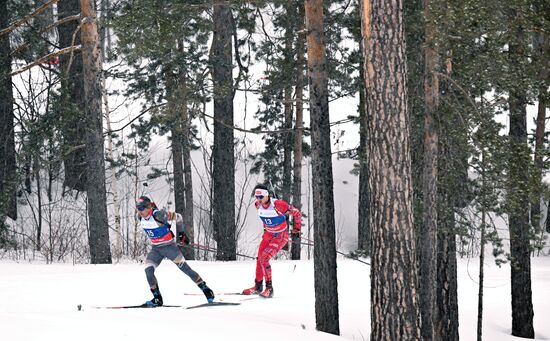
(288, 109)
(541, 46)
(451, 196)
(188, 216)
(72, 87)
(481, 266)
(175, 122)
(8, 204)
(428, 229)
(395, 313)
(363, 229)
(522, 308)
(177, 156)
(518, 191)
(296, 248)
(326, 283)
(522, 305)
(97, 199)
(39, 207)
(223, 150)
(288, 145)
(446, 324)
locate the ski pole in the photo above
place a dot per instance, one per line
(211, 249)
(215, 250)
(338, 252)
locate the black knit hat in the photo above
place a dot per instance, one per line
(143, 202)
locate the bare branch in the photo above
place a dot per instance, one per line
(72, 44)
(47, 57)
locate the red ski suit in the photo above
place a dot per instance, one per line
(275, 235)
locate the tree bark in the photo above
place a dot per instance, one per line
(8, 167)
(363, 228)
(450, 198)
(97, 199)
(395, 312)
(286, 185)
(522, 305)
(174, 121)
(481, 264)
(542, 47)
(326, 283)
(428, 228)
(518, 191)
(188, 216)
(223, 149)
(446, 324)
(296, 248)
(288, 145)
(72, 87)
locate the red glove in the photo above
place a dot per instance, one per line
(183, 239)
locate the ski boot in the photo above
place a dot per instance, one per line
(207, 292)
(157, 298)
(256, 289)
(268, 292)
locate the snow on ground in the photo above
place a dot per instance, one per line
(39, 302)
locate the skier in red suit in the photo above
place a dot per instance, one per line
(273, 214)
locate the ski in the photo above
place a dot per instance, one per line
(212, 304)
(217, 293)
(250, 297)
(144, 305)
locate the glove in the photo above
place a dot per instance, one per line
(183, 239)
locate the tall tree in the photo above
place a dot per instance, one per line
(8, 207)
(100, 250)
(288, 145)
(541, 46)
(452, 171)
(188, 215)
(395, 312)
(518, 181)
(363, 229)
(363, 235)
(326, 283)
(428, 229)
(177, 95)
(223, 149)
(174, 111)
(72, 95)
(298, 134)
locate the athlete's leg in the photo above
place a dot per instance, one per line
(154, 257)
(173, 253)
(259, 266)
(275, 242)
(152, 261)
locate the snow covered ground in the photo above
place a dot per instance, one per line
(39, 302)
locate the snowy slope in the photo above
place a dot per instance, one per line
(39, 302)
